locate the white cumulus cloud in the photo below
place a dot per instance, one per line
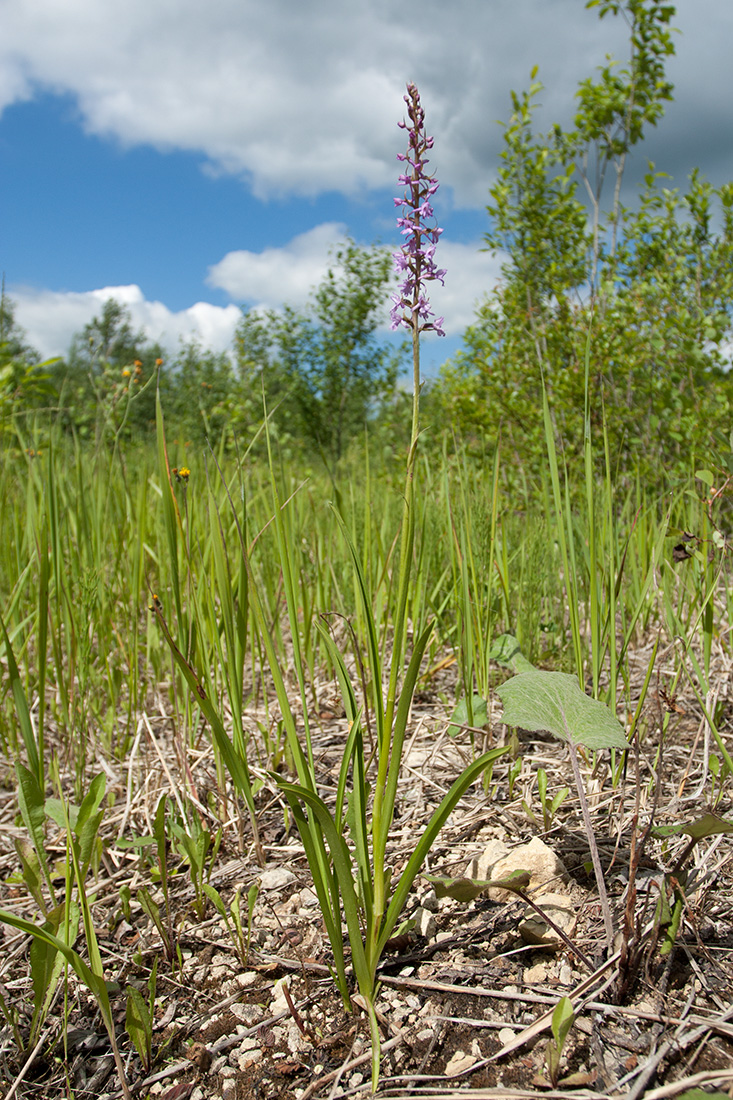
(50, 318)
(299, 98)
(278, 275)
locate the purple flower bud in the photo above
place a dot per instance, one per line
(415, 259)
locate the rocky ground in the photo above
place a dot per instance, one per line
(466, 997)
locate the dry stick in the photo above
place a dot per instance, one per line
(557, 929)
(28, 1063)
(710, 1077)
(585, 810)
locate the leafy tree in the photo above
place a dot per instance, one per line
(324, 371)
(200, 392)
(24, 380)
(640, 299)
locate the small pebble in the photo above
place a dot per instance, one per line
(425, 922)
(459, 1063)
(276, 879)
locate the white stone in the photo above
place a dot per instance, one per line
(279, 1002)
(566, 974)
(558, 907)
(249, 1058)
(533, 975)
(544, 867)
(247, 1014)
(276, 879)
(505, 1035)
(247, 979)
(481, 866)
(430, 901)
(459, 1063)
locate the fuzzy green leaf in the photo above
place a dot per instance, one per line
(138, 1025)
(466, 889)
(553, 701)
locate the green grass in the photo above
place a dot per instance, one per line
(127, 589)
(88, 537)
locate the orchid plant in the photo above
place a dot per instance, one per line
(356, 880)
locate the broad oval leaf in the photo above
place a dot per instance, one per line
(553, 701)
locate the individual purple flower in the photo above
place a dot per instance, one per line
(411, 307)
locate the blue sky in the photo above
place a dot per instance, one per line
(191, 158)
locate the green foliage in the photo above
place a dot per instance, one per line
(324, 372)
(553, 701)
(24, 382)
(638, 300)
(563, 1019)
(105, 387)
(201, 397)
(139, 1018)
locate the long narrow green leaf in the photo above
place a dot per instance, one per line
(426, 841)
(342, 868)
(236, 765)
(21, 708)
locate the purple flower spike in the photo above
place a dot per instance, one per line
(411, 307)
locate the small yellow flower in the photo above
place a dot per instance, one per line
(125, 373)
(185, 473)
(159, 362)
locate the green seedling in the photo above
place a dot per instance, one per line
(198, 848)
(562, 1020)
(672, 899)
(718, 775)
(47, 964)
(549, 806)
(139, 1018)
(81, 825)
(91, 975)
(12, 1016)
(514, 773)
(162, 923)
(474, 718)
(159, 841)
(239, 931)
(467, 889)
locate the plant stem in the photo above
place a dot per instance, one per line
(594, 855)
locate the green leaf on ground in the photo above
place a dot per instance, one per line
(466, 889)
(553, 701)
(506, 651)
(459, 717)
(707, 825)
